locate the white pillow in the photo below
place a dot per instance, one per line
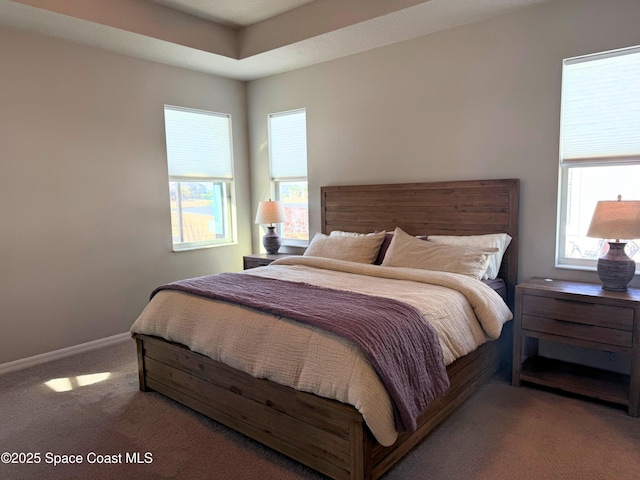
(408, 251)
(492, 240)
(340, 233)
(361, 249)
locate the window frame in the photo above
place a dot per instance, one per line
(227, 196)
(578, 163)
(227, 214)
(275, 188)
(276, 181)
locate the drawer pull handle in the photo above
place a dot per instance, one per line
(573, 302)
(568, 322)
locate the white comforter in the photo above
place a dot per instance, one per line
(464, 312)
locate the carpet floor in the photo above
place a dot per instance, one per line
(87, 409)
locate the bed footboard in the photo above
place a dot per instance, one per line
(326, 435)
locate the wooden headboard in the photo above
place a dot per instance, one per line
(470, 207)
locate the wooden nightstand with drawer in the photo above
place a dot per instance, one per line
(584, 315)
(261, 259)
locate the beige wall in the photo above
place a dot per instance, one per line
(478, 101)
(84, 225)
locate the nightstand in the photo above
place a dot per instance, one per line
(579, 314)
(261, 259)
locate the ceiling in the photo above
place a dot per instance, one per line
(246, 39)
(233, 13)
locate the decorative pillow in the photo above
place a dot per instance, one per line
(412, 252)
(492, 240)
(384, 247)
(363, 248)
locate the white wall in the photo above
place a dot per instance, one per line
(85, 229)
(478, 101)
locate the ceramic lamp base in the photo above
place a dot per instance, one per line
(615, 268)
(271, 241)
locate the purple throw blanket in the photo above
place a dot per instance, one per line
(401, 345)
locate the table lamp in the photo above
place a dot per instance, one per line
(620, 220)
(271, 212)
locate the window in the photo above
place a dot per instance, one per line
(599, 148)
(288, 157)
(200, 177)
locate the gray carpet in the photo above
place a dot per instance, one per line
(501, 432)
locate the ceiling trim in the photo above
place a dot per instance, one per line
(155, 32)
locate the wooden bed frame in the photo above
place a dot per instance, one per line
(329, 436)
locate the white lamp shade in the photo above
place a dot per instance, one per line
(616, 219)
(270, 212)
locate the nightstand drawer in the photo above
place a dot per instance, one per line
(608, 316)
(582, 331)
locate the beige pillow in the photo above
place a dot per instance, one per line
(360, 249)
(491, 240)
(408, 251)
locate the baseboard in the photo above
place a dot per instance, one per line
(63, 352)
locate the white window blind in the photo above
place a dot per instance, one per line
(198, 143)
(288, 144)
(601, 109)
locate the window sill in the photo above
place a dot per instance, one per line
(584, 268)
(201, 247)
(294, 243)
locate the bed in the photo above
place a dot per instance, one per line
(327, 435)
